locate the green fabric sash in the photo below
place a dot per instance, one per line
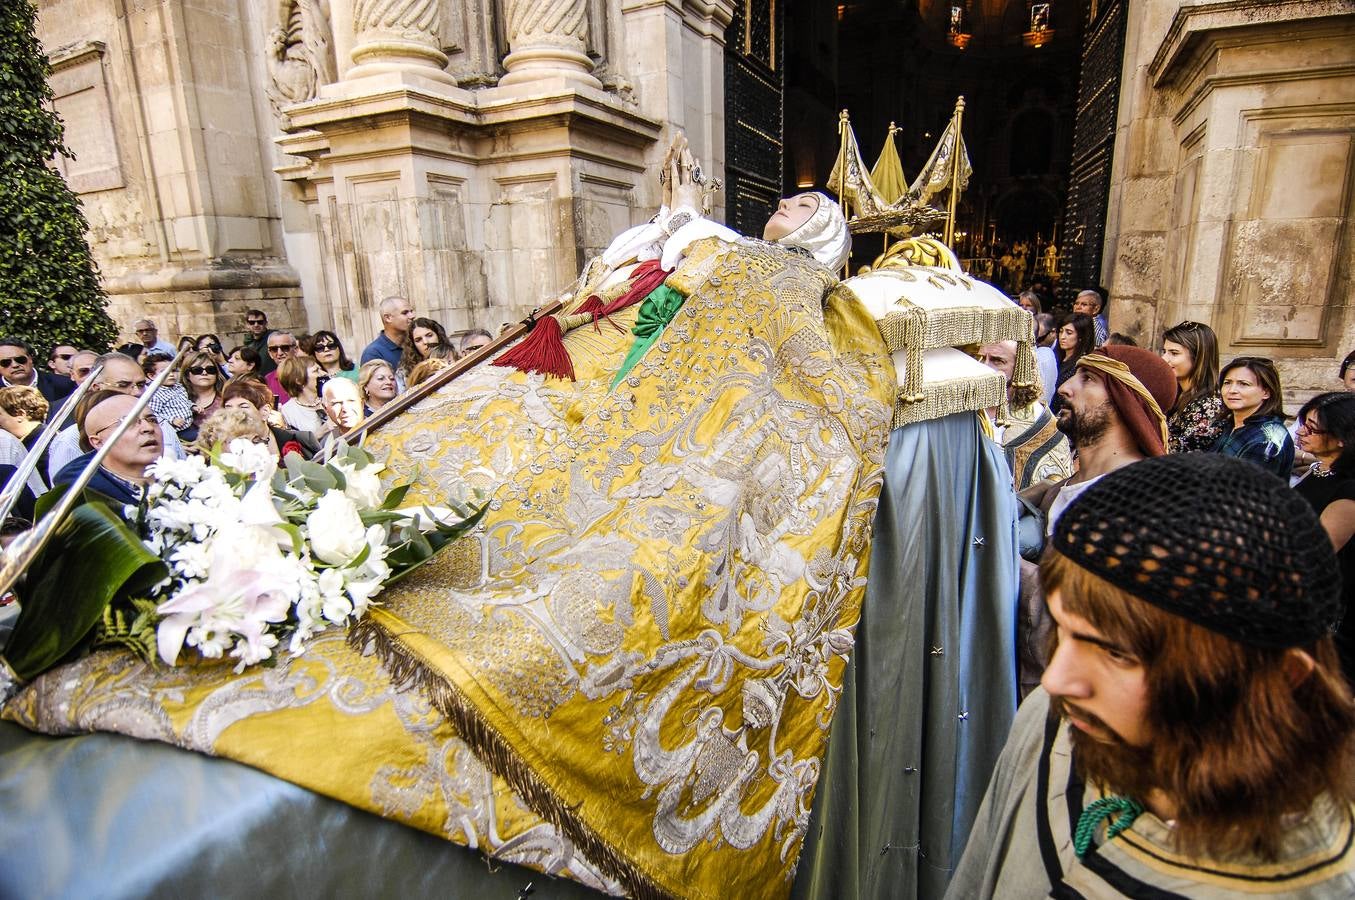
(656, 311)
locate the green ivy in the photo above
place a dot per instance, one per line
(49, 285)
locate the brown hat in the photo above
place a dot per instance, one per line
(1149, 368)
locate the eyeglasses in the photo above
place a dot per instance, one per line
(202, 370)
(280, 348)
(81, 371)
(144, 330)
(146, 419)
(13, 361)
(124, 385)
(326, 345)
(1305, 428)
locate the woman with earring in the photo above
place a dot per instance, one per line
(1326, 431)
(1196, 421)
(1253, 423)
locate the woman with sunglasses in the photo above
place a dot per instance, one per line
(1196, 421)
(1252, 427)
(423, 338)
(201, 378)
(210, 343)
(333, 359)
(1326, 431)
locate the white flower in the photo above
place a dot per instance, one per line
(335, 529)
(362, 486)
(249, 458)
(180, 471)
(191, 559)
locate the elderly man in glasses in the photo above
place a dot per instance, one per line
(121, 477)
(123, 375)
(148, 336)
(17, 367)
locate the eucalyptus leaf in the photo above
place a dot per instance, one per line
(396, 496)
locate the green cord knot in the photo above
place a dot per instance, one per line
(1123, 809)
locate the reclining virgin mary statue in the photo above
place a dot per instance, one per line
(627, 673)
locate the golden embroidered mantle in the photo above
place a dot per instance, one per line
(628, 673)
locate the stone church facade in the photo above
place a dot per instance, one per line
(311, 157)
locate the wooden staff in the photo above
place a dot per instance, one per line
(451, 373)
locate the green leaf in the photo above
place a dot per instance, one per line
(92, 560)
(396, 496)
(293, 532)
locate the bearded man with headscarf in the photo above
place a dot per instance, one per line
(1114, 415)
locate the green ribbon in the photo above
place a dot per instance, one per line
(1123, 809)
(656, 311)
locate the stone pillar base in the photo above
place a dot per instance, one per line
(546, 62)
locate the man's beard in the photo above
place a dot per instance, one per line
(1105, 759)
(1085, 429)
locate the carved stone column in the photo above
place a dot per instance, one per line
(398, 36)
(547, 39)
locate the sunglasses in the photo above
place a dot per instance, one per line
(326, 345)
(280, 348)
(202, 370)
(255, 321)
(13, 361)
(64, 356)
(82, 371)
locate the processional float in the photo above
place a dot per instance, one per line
(923, 751)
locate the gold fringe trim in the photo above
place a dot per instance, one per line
(408, 669)
(914, 330)
(971, 394)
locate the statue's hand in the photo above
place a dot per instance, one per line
(687, 185)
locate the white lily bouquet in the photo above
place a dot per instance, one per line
(260, 556)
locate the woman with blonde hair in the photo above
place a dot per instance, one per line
(1196, 421)
(376, 382)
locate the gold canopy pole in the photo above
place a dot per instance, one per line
(949, 236)
(842, 126)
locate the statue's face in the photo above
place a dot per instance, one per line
(790, 214)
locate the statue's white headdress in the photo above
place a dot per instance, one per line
(825, 235)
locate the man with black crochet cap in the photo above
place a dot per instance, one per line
(1193, 733)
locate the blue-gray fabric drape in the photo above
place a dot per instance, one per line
(931, 692)
(102, 815)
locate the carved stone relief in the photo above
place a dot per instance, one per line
(300, 52)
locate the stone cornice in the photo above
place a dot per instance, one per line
(1195, 24)
(74, 54)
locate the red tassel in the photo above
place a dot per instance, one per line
(543, 350)
(647, 276)
(592, 306)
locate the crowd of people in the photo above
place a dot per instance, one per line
(291, 391)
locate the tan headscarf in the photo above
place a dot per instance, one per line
(1141, 386)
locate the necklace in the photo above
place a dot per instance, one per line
(1317, 470)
